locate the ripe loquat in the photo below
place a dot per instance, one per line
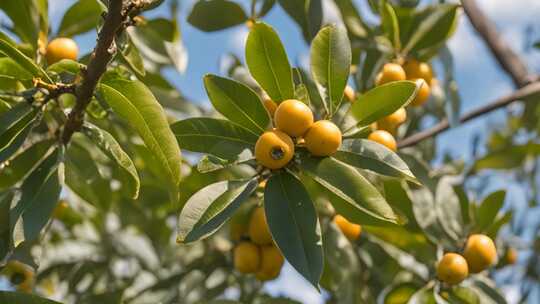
(392, 121)
(480, 252)
(416, 69)
(274, 149)
(293, 117)
(452, 268)
(61, 48)
(323, 138)
(423, 94)
(350, 230)
(271, 262)
(384, 138)
(247, 257)
(258, 230)
(390, 72)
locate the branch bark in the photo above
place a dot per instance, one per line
(101, 56)
(506, 57)
(520, 94)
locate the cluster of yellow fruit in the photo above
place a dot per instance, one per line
(294, 120)
(61, 48)
(256, 252)
(20, 275)
(386, 127)
(478, 255)
(350, 230)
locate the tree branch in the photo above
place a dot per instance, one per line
(520, 94)
(509, 61)
(100, 58)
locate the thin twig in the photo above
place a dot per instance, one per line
(520, 94)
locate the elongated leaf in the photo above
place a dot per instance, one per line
(330, 64)
(203, 15)
(23, 163)
(268, 64)
(237, 102)
(366, 154)
(23, 60)
(15, 297)
(217, 137)
(211, 207)
(352, 19)
(436, 25)
(15, 125)
(66, 66)
(130, 54)
(10, 68)
(25, 17)
(308, 14)
(390, 24)
(487, 291)
(449, 209)
(489, 208)
(39, 196)
(134, 102)
(494, 228)
(383, 100)
(360, 201)
(81, 17)
(294, 225)
(210, 163)
(106, 142)
(5, 236)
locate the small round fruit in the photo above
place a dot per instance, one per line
(258, 230)
(511, 256)
(271, 263)
(349, 93)
(350, 230)
(274, 149)
(20, 275)
(390, 72)
(323, 138)
(480, 252)
(384, 138)
(61, 48)
(416, 69)
(392, 121)
(452, 269)
(423, 94)
(293, 117)
(247, 257)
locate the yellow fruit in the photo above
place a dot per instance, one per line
(274, 149)
(350, 230)
(271, 263)
(349, 94)
(416, 69)
(61, 48)
(293, 117)
(452, 269)
(237, 231)
(480, 252)
(423, 94)
(511, 256)
(392, 121)
(390, 72)
(247, 257)
(20, 275)
(258, 230)
(384, 138)
(323, 138)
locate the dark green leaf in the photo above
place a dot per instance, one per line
(25, 17)
(308, 14)
(330, 64)
(204, 15)
(352, 19)
(268, 63)
(15, 297)
(66, 66)
(488, 209)
(210, 163)
(367, 154)
(218, 137)
(81, 17)
(211, 207)
(237, 102)
(10, 68)
(383, 100)
(294, 225)
(390, 24)
(23, 60)
(130, 54)
(108, 145)
(15, 125)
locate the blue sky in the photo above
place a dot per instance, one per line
(479, 78)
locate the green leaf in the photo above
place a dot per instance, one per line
(330, 64)
(308, 14)
(39, 196)
(488, 209)
(134, 102)
(211, 207)
(494, 228)
(268, 64)
(5, 236)
(210, 163)
(108, 145)
(367, 154)
(15, 297)
(352, 19)
(463, 295)
(390, 24)
(25, 17)
(217, 137)
(204, 15)
(130, 54)
(24, 61)
(81, 17)
(436, 25)
(66, 66)
(11, 69)
(488, 291)
(383, 100)
(359, 200)
(448, 209)
(423, 296)
(400, 293)
(294, 225)
(23, 163)
(15, 125)
(237, 102)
